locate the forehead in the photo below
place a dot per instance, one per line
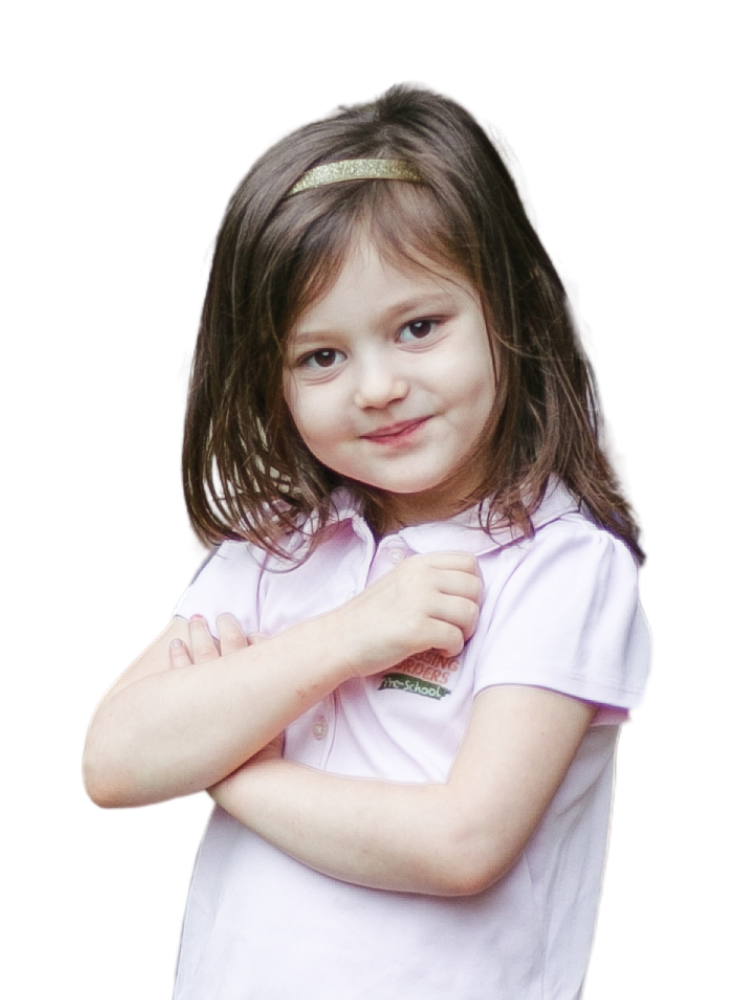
(371, 286)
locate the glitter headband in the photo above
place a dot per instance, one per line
(356, 170)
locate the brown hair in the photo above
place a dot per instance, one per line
(247, 473)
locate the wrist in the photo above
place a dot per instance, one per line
(332, 646)
(241, 793)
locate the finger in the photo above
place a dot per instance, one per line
(470, 619)
(231, 636)
(178, 655)
(458, 612)
(447, 639)
(202, 645)
(460, 584)
(450, 571)
(463, 561)
(255, 637)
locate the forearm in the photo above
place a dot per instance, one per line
(174, 732)
(379, 834)
(163, 732)
(447, 839)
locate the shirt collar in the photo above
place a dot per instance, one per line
(463, 532)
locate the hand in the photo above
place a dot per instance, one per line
(203, 647)
(428, 602)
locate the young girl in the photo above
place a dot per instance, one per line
(401, 676)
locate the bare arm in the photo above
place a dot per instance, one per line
(160, 733)
(451, 839)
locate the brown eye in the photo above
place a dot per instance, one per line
(418, 329)
(321, 359)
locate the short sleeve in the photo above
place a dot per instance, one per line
(566, 616)
(228, 583)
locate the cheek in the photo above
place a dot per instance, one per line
(294, 401)
(482, 383)
(288, 391)
(481, 396)
(490, 368)
(309, 416)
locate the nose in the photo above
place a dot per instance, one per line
(379, 384)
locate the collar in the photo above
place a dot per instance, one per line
(464, 531)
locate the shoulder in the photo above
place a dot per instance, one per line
(237, 576)
(570, 570)
(562, 611)
(566, 548)
(574, 547)
(226, 582)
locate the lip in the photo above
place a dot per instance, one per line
(393, 433)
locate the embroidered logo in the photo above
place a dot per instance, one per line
(424, 673)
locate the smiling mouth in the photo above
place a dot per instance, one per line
(395, 432)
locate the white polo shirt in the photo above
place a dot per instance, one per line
(560, 611)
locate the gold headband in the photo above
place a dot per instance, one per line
(356, 170)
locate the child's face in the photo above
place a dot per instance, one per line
(389, 380)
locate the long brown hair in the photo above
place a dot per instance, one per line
(246, 472)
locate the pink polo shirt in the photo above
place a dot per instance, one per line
(560, 611)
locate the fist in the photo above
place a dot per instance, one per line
(427, 602)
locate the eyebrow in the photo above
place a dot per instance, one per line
(428, 304)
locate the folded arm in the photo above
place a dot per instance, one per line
(447, 839)
(161, 732)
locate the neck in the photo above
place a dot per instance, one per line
(388, 514)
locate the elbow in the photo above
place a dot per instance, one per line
(468, 849)
(471, 861)
(117, 780)
(102, 802)
(471, 875)
(119, 795)
(91, 773)
(97, 790)
(106, 779)
(102, 799)
(106, 791)
(99, 769)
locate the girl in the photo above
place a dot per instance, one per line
(392, 429)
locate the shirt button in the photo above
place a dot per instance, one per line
(397, 555)
(320, 728)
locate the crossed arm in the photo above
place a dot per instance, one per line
(519, 745)
(163, 732)
(160, 733)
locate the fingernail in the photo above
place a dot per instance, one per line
(175, 644)
(196, 618)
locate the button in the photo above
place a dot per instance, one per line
(320, 728)
(397, 555)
